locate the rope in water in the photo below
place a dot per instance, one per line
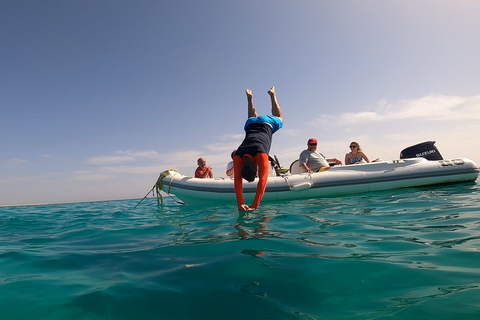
(157, 187)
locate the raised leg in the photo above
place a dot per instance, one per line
(276, 110)
(251, 107)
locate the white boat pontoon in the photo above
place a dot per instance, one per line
(409, 171)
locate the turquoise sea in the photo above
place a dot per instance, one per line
(404, 254)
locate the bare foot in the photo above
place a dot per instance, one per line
(271, 91)
(249, 93)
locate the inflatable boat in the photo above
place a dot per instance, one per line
(425, 167)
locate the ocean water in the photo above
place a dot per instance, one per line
(404, 254)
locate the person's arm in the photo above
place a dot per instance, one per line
(302, 160)
(364, 156)
(305, 167)
(334, 160)
(263, 164)
(347, 158)
(238, 183)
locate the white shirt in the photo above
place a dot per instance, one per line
(230, 166)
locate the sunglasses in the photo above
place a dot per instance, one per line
(353, 147)
(312, 144)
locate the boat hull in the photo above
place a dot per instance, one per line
(341, 180)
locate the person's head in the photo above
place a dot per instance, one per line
(249, 169)
(312, 144)
(354, 146)
(201, 162)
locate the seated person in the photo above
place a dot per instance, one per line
(203, 171)
(356, 154)
(311, 160)
(229, 171)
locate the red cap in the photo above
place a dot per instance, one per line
(312, 140)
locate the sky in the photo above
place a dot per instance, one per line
(97, 98)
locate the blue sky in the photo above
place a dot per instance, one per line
(97, 98)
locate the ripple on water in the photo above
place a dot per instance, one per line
(400, 254)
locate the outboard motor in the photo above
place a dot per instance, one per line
(425, 150)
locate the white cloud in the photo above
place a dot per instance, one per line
(135, 163)
(123, 157)
(430, 108)
(15, 163)
(383, 131)
(91, 177)
(103, 160)
(48, 156)
(386, 128)
(290, 132)
(231, 137)
(147, 169)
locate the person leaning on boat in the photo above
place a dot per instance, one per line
(203, 171)
(229, 171)
(254, 150)
(356, 154)
(310, 160)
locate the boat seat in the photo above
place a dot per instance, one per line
(295, 168)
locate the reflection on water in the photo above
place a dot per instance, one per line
(250, 226)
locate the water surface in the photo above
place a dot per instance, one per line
(404, 254)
